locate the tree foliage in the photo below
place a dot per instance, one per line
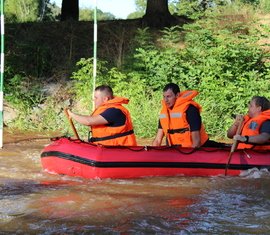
(19, 11)
(140, 9)
(87, 14)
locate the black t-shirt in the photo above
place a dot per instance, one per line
(115, 117)
(193, 118)
(265, 127)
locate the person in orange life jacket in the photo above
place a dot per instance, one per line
(180, 119)
(110, 122)
(256, 127)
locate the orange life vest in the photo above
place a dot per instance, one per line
(121, 135)
(252, 127)
(174, 122)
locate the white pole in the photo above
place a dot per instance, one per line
(2, 75)
(94, 55)
(2, 121)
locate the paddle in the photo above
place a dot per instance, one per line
(234, 145)
(72, 125)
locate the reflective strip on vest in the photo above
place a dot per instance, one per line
(162, 115)
(176, 115)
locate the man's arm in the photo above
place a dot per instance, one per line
(255, 139)
(88, 120)
(196, 139)
(262, 138)
(158, 139)
(195, 122)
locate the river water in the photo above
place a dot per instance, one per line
(35, 202)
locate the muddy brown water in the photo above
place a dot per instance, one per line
(35, 202)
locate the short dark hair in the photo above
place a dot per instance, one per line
(105, 89)
(172, 86)
(262, 101)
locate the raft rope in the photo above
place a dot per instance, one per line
(145, 148)
(27, 139)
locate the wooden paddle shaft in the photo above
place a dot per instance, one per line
(235, 142)
(72, 124)
(237, 133)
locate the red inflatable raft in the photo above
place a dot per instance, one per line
(82, 159)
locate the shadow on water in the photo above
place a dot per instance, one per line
(13, 188)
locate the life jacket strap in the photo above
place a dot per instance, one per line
(95, 139)
(174, 131)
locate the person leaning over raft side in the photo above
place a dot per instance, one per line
(180, 119)
(256, 127)
(110, 122)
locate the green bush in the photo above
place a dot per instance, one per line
(22, 92)
(264, 6)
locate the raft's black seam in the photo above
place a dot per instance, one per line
(94, 163)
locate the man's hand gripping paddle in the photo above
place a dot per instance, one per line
(72, 124)
(234, 145)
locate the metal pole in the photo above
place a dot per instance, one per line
(2, 74)
(94, 55)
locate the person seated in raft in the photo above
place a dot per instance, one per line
(256, 125)
(180, 120)
(110, 122)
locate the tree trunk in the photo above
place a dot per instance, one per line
(70, 10)
(157, 14)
